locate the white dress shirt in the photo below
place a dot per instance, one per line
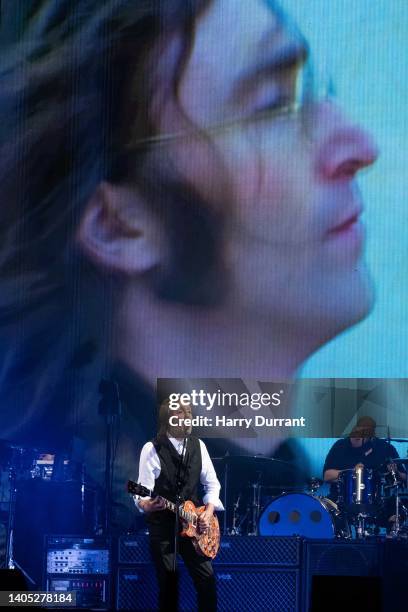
(149, 471)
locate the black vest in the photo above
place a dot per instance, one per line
(165, 484)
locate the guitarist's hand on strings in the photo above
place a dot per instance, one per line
(152, 505)
(205, 518)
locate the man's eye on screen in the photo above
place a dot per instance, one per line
(285, 96)
(281, 103)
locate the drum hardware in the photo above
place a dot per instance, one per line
(402, 505)
(263, 474)
(48, 467)
(394, 476)
(19, 458)
(244, 518)
(361, 526)
(396, 528)
(341, 520)
(236, 521)
(391, 494)
(247, 520)
(313, 485)
(255, 506)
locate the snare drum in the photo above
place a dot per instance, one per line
(358, 490)
(304, 515)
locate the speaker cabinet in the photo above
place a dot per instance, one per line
(244, 588)
(249, 550)
(336, 559)
(347, 592)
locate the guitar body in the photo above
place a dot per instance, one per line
(208, 543)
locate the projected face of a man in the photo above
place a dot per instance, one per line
(284, 177)
(295, 239)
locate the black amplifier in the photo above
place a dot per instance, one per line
(80, 564)
(70, 555)
(91, 592)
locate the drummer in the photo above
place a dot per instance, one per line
(361, 448)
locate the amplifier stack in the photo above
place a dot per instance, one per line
(80, 564)
(261, 574)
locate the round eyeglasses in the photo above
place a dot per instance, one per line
(308, 92)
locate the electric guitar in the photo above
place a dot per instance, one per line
(206, 543)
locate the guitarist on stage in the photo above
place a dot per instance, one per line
(160, 468)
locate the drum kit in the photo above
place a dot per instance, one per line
(54, 488)
(273, 497)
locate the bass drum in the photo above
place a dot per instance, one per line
(304, 515)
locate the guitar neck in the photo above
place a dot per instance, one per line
(187, 516)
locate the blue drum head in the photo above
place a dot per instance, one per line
(297, 514)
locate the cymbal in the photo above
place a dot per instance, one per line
(277, 489)
(7, 446)
(267, 471)
(260, 460)
(17, 448)
(229, 457)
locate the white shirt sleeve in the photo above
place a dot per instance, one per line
(149, 470)
(209, 480)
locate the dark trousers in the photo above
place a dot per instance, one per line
(200, 569)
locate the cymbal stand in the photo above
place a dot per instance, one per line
(11, 514)
(236, 528)
(242, 521)
(11, 563)
(255, 506)
(226, 474)
(360, 526)
(395, 531)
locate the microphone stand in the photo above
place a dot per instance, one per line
(179, 485)
(395, 485)
(110, 408)
(225, 492)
